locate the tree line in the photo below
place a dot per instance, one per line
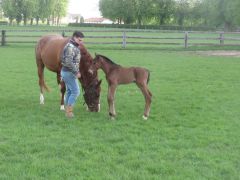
(210, 13)
(215, 13)
(30, 10)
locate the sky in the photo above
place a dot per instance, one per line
(87, 8)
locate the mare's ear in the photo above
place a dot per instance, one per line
(95, 54)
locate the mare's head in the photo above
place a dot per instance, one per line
(92, 95)
(89, 81)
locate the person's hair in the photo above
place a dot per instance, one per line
(78, 34)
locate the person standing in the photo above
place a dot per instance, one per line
(70, 61)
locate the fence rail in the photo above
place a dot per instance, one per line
(128, 37)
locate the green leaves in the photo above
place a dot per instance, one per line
(213, 13)
(38, 9)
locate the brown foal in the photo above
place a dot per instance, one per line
(116, 74)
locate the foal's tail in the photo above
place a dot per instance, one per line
(148, 79)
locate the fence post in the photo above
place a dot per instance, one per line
(63, 34)
(124, 43)
(3, 42)
(221, 38)
(186, 40)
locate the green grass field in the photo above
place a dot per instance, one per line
(192, 133)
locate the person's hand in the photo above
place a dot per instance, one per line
(78, 75)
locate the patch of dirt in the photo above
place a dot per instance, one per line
(220, 53)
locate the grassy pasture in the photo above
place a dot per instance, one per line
(192, 133)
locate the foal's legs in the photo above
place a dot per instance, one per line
(111, 94)
(148, 96)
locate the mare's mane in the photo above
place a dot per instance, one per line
(84, 53)
(108, 60)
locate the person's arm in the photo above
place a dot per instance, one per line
(68, 60)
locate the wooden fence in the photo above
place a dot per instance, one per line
(131, 37)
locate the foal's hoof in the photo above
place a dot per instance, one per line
(62, 108)
(144, 117)
(112, 116)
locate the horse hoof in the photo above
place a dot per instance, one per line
(112, 118)
(144, 117)
(62, 108)
(99, 107)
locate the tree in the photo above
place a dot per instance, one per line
(1, 10)
(81, 19)
(28, 9)
(9, 9)
(142, 10)
(128, 11)
(182, 11)
(46, 10)
(223, 13)
(232, 16)
(163, 10)
(60, 9)
(118, 10)
(110, 9)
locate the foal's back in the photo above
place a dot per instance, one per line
(125, 75)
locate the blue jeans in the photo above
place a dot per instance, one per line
(72, 87)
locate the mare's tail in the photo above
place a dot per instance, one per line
(40, 67)
(42, 83)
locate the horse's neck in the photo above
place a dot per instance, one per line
(106, 67)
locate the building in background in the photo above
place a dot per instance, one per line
(72, 18)
(97, 20)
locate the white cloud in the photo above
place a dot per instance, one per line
(87, 8)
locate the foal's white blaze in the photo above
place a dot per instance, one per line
(41, 98)
(62, 108)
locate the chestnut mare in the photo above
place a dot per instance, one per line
(116, 74)
(48, 53)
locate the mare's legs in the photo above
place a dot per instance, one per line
(62, 90)
(148, 96)
(41, 83)
(111, 94)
